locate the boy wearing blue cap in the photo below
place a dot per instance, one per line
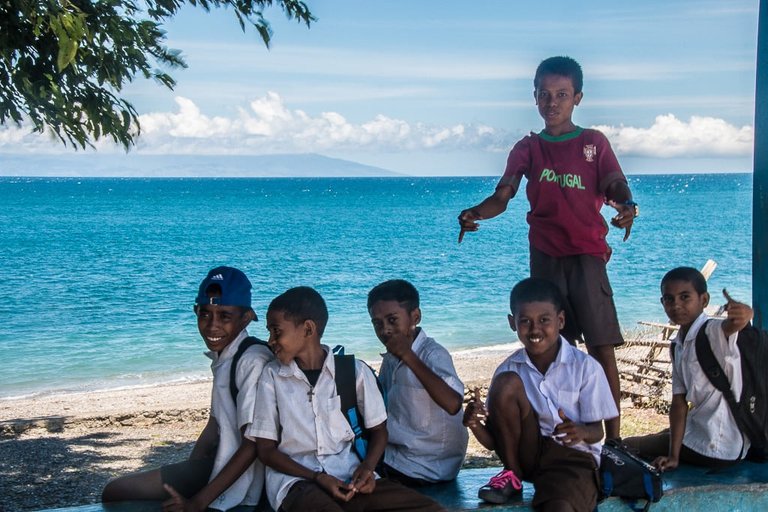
(222, 471)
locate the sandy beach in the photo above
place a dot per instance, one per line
(60, 450)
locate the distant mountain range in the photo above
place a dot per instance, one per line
(225, 166)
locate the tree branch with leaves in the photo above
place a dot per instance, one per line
(63, 63)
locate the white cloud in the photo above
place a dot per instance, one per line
(670, 137)
(267, 126)
(14, 135)
(189, 122)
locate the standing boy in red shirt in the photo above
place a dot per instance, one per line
(571, 173)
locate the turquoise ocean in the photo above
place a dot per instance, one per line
(99, 275)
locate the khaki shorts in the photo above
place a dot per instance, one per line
(565, 474)
(590, 314)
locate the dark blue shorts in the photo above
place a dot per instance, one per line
(187, 477)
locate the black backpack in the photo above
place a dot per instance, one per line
(624, 474)
(244, 345)
(345, 387)
(751, 412)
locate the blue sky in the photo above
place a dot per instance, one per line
(445, 87)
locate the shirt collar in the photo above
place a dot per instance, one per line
(421, 339)
(560, 138)
(695, 326)
(292, 369)
(564, 355)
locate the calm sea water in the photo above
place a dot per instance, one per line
(99, 275)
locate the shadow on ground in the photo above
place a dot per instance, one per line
(46, 471)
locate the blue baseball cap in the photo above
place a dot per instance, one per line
(235, 288)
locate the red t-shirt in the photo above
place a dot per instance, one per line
(567, 179)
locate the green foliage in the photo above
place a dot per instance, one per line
(63, 63)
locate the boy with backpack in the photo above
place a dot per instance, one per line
(545, 409)
(222, 471)
(702, 427)
(300, 431)
(427, 440)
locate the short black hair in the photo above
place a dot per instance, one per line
(688, 275)
(562, 66)
(395, 289)
(535, 289)
(300, 304)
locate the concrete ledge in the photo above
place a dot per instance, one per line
(743, 487)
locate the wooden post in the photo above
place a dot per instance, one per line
(760, 177)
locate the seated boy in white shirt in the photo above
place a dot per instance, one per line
(301, 433)
(545, 409)
(427, 440)
(702, 430)
(222, 471)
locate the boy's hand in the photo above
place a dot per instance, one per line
(177, 502)
(468, 222)
(475, 413)
(665, 463)
(399, 346)
(335, 487)
(363, 480)
(568, 432)
(739, 315)
(624, 219)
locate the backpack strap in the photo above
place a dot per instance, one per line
(345, 381)
(719, 380)
(712, 368)
(244, 345)
(346, 388)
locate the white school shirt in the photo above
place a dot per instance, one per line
(424, 441)
(574, 382)
(710, 428)
(230, 419)
(307, 421)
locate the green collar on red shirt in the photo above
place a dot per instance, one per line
(560, 138)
